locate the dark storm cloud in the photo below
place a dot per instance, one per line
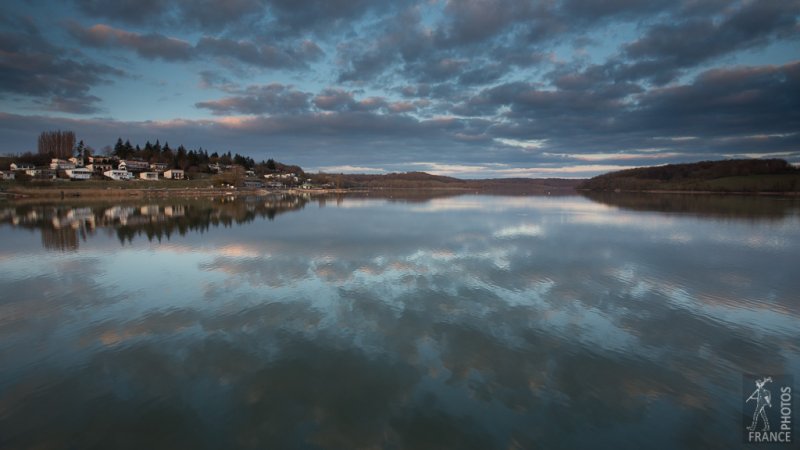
(285, 17)
(310, 14)
(262, 55)
(340, 100)
(512, 33)
(279, 100)
(668, 48)
(56, 78)
(136, 12)
(720, 102)
(215, 15)
(590, 9)
(154, 45)
(207, 15)
(757, 105)
(472, 21)
(720, 113)
(271, 99)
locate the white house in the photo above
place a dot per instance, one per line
(78, 173)
(60, 164)
(152, 176)
(174, 174)
(41, 173)
(78, 162)
(133, 165)
(158, 167)
(101, 159)
(174, 211)
(118, 175)
(99, 168)
(22, 166)
(6, 175)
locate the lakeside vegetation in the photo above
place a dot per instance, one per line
(731, 176)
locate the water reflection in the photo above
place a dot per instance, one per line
(64, 226)
(707, 205)
(452, 322)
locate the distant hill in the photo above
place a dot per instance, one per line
(733, 175)
(423, 180)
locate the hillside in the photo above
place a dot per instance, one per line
(734, 175)
(422, 180)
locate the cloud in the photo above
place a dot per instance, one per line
(58, 79)
(261, 55)
(727, 102)
(350, 169)
(154, 45)
(669, 47)
(135, 12)
(282, 17)
(149, 46)
(272, 99)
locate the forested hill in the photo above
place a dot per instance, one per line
(733, 175)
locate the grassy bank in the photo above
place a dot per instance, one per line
(107, 188)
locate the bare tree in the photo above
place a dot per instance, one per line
(57, 144)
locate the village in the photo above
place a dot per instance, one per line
(134, 169)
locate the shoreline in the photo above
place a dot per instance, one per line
(75, 192)
(691, 192)
(101, 192)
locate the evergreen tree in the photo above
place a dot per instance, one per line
(119, 149)
(79, 150)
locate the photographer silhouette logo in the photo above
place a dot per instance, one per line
(767, 409)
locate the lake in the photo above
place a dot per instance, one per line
(398, 322)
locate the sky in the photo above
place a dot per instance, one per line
(472, 88)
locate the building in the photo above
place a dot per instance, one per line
(217, 168)
(158, 167)
(174, 174)
(151, 176)
(60, 164)
(253, 184)
(78, 173)
(7, 175)
(174, 211)
(118, 175)
(102, 159)
(100, 168)
(41, 173)
(77, 162)
(22, 166)
(132, 165)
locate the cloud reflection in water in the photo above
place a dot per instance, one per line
(397, 325)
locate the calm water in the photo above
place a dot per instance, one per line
(454, 322)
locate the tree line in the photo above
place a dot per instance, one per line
(733, 175)
(62, 144)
